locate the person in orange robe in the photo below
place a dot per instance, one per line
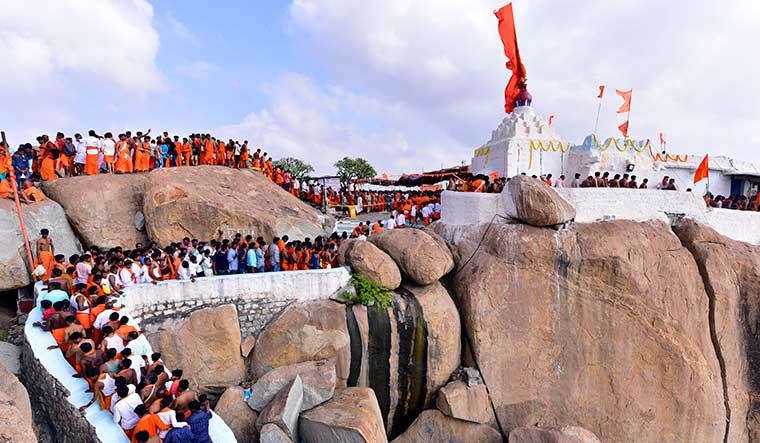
(221, 154)
(208, 154)
(123, 163)
(146, 157)
(243, 155)
(48, 153)
(65, 162)
(186, 152)
(92, 160)
(32, 192)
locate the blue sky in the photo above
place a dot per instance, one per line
(409, 85)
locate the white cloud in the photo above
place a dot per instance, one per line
(322, 125)
(106, 42)
(690, 64)
(198, 68)
(182, 31)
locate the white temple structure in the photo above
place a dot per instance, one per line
(525, 143)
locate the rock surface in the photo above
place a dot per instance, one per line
(352, 416)
(16, 423)
(206, 345)
(457, 400)
(606, 324)
(405, 353)
(230, 200)
(305, 332)
(271, 433)
(419, 255)
(316, 378)
(532, 434)
(47, 214)
(102, 208)
(284, 408)
(236, 413)
(370, 262)
(731, 272)
(434, 427)
(533, 202)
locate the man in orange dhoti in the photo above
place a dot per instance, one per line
(123, 164)
(49, 154)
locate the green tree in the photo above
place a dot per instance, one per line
(298, 168)
(354, 168)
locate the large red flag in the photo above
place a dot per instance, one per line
(601, 91)
(509, 39)
(624, 129)
(702, 171)
(626, 106)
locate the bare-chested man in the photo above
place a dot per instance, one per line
(185, 395)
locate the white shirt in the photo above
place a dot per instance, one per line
(185, 273)
(115, 398)
(81, 154)
(125, 275)
(296, 184)
(109, 146)
(437, 207)
(137, 364)
(170, 418)
(92, 141)
(124, 411)
(117, 343)
(102, 319)
(144, 275)
(390, 224)
(400, 220)
(426, 211)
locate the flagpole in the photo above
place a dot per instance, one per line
(628, 116)
(598, 111)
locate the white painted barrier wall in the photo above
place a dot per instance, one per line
(599, 204)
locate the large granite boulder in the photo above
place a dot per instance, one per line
(404, 353)
(352, 416)
(603, 325)
(370, 262)
(47, 214)
(201, 201)
(434, 427)
(533, 202)
(236, 413)
(470, 403)
(205, 345)
(16, 423)
(271, 433)
(305, 332)
(317, 380)
(283, 409)
(533, 434)
(731, 274)
(102, 208)
(419, 255)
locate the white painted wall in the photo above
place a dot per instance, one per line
(301, 285)
(598, 204)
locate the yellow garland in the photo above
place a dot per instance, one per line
(628, 144)
(538, 145)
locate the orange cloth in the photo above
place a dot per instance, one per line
(6, 189)
(34, 194)
(91, 161)
(59, 335)
(47, 169)
(151, 423)
(124, 161)
(208, 154)
(47, 260)
(65, 161)
(83, 318)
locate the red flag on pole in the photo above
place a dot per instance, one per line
(624, 129)
(662, 139)
(508, 36)
(626, 95)
(551, 117)
(702, 171)
(601, 91)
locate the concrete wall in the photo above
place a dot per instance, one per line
(258, 297)
(596, 204)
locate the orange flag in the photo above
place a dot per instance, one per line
(624, 129)
(601, 91)
(662, 139)
(551, 117)
(514, 64)
(626, 95)
(702, 171)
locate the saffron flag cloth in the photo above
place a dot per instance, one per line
(702, 171)
(601, 91)
(514, 63)
(626, 95)
(551, 117)
(662, 139)
(624, 129)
